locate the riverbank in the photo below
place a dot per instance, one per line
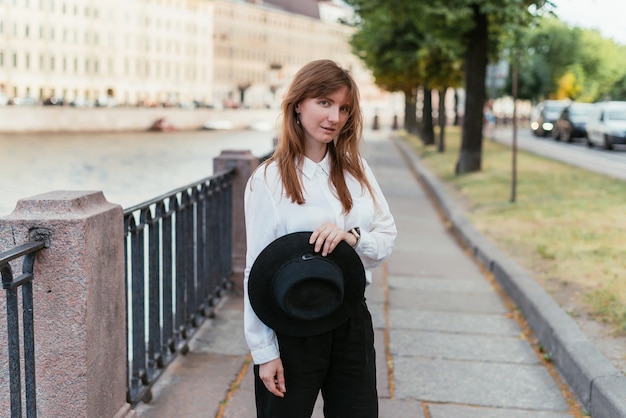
(43, 119)
(16, 119)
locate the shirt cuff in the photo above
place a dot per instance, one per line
(263, 355)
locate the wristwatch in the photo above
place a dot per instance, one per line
(357, 234)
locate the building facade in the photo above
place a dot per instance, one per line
(127, 50)
(164, 52)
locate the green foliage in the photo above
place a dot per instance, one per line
(559, 61)
(618, 92)
(408, 43)
(390, 52)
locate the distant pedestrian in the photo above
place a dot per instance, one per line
(316, 222)
(489, 120)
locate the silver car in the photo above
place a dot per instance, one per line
(607, 125)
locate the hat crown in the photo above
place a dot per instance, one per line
(296, 291)
(308, 287)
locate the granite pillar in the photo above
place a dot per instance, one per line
(244, 163)
(79, 302)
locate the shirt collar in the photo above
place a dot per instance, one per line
(309, 166)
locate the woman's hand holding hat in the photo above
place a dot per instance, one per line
(327, 236)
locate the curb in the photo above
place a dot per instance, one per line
(597, 384)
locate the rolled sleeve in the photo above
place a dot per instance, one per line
(260, 231)
(378, 239)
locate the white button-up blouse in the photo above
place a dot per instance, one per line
(269, 215)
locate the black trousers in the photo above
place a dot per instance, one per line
(340, 363)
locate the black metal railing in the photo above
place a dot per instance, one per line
(11, 285)
(178, 265)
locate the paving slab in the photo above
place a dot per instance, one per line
(477, 383)
(464, 411)
(446, 346)
(408, 262)
(461, 285)
(447, 301)
(454, 322)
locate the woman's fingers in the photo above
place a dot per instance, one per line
(326, 238)
(273, 376)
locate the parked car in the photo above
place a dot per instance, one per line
(573, 122)
(4, 99)
(80, 102)
(607, 125)
(24, 101)
(105, 101)
(53, 101)
(544, 116)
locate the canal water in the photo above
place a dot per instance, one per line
(129, 168)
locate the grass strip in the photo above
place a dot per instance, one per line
(567, 227)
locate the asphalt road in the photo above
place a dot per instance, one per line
(611, 163)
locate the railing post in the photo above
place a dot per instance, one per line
(79, 302)
(244, 163)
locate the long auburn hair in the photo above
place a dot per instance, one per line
(316, 79)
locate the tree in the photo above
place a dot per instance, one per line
(393, 44)
(443, 67)
(569, 62)
(486, 22)
(475, 26)
(388, 46)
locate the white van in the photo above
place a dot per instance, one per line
(607, 124)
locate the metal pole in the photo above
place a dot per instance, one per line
(514, 145)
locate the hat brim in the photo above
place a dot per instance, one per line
(292, 246)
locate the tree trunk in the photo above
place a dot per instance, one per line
(470, 155)
(441, 147)
(428, 132)
(456, 107)
(410, 111)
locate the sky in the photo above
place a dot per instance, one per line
(608, 16)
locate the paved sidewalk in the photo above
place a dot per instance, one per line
(447, 344)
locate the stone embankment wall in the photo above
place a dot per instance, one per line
(23, 119)
(16, 119)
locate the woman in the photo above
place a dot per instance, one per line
(317, 181)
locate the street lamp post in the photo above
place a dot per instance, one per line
(514, 144)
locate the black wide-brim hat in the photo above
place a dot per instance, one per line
(295, 291)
